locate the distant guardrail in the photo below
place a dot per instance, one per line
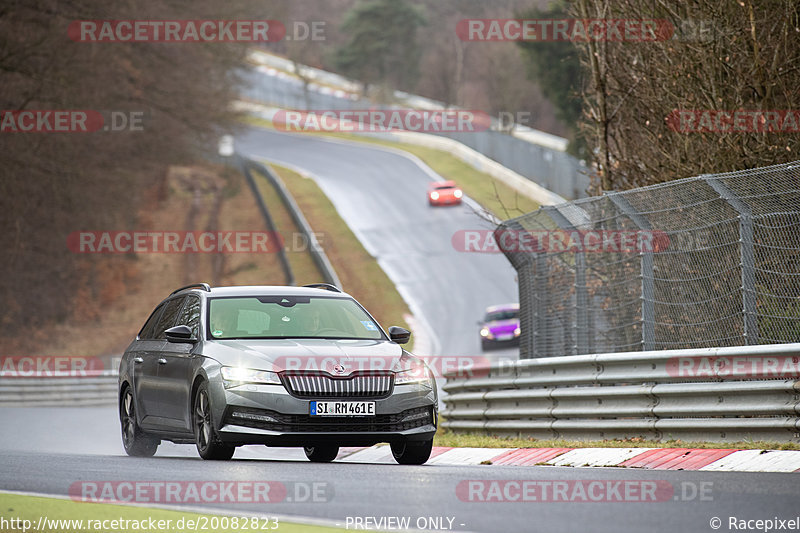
(59, 391)
(247, 165)
(711, 394)
(318, 255)
(550, 168)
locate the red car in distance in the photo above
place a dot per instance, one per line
(444, 193)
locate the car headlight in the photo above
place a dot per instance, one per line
(457, 193)
(434, 195)
(517, 331)
(233, 376)
(418, 373)
(486, 333)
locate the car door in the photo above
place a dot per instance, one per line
(154, 358)
(144, 368)
(175, 375)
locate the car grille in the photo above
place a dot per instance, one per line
(274, 421)
(324, 386)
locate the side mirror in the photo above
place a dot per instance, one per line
(399, 335)
(180, 334)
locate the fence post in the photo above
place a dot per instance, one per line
(747, 263)
(530, 291)
(648, 283)
(541, 332)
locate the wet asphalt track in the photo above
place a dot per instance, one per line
(382, 197)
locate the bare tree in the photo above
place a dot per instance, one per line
(715, 57)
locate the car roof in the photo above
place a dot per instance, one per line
(266, 290)
(502, 307)
(442, 184)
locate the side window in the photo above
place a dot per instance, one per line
(190, 315)
(150, 325)
(168, 317)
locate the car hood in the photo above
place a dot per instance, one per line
(339, 357)
(503, 326)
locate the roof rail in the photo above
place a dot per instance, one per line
(326, 286)
(203, 286)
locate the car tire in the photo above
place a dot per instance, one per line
(321, 454)
(411, 452)
(208, 443)
(136, 443)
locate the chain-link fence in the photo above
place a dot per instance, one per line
(698, 262)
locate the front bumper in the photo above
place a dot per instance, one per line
(268, 414)
(445, 201)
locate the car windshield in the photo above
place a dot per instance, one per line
(281, 317)
(507, 314)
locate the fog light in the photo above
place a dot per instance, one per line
(417, 416)
(251, 416)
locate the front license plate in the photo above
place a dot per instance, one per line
(342, 408)
(507, 337)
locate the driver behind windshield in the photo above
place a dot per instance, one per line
(224, 323)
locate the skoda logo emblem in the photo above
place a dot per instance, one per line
(338, 369)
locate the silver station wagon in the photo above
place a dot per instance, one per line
(278, 366)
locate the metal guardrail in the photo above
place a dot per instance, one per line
(713, 394)
(246, 165)
(459, 150)
(59, 391)
(317, 253)
(553, 169)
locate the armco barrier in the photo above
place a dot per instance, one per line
(475, 159)
(268, 220)
(317, 253)
(59, 391)
(534, 155)
(712, 394)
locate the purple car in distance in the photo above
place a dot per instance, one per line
(500, 326)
